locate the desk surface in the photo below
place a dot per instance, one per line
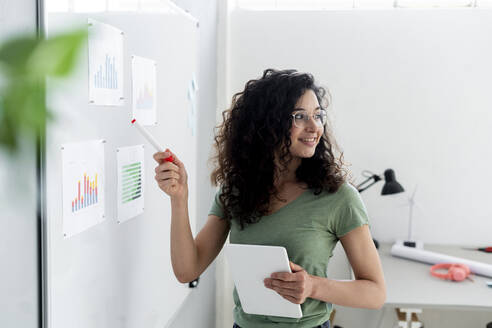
(409, 283)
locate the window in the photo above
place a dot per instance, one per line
(356, 4)
(106, 5)
(435, 3)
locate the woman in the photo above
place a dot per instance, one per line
(280, 185)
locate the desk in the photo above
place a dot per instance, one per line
(410, 285)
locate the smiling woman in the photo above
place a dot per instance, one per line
(281, 185)
(269, 118)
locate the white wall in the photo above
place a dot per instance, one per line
(410, 91)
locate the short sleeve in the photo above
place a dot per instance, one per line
(216, 208)
(352, 213)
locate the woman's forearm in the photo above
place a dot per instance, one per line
(184, 255)
(354, 293)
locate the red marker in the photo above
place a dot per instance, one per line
(151, 139)
(481, 249)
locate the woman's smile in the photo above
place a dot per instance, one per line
(311, 142)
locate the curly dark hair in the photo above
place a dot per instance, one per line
(255, 128)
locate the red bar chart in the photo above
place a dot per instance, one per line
(86, 194)
(145, 98)
(83, 185)
(144, 85)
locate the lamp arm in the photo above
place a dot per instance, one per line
(374, 177)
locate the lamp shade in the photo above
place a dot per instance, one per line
(391, 186)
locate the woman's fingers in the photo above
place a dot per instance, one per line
(171, 177)
(159, 157)
(295, 267)
(165, 175)
(166, 166)
(167, 182)
(269, 282)
(177, 162)
(287, 292)
(291, 299)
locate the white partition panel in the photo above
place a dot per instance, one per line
(119, 274)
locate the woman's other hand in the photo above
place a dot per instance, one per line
(171, 177)
(294, 287)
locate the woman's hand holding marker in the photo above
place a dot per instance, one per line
(171, 175)
(151, 139)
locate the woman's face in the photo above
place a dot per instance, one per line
(305, 135)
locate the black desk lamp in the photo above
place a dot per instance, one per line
(391, 186)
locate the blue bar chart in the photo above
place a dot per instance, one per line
(105, 64)
(107, 75)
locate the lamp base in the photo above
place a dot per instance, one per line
(376, 243)
(411, 243)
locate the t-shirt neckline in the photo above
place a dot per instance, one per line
(288, 204)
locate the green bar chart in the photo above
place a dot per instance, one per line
(131, 187)
(130, 161)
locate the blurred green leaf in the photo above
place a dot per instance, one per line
(15, 53)
(57, 56)
(25, 62)
(23, 110)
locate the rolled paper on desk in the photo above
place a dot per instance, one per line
(422, 255)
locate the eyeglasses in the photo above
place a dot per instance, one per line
(301, 118)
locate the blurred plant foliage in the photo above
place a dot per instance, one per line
(25, 63)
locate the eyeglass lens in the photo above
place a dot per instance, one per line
(301, 119)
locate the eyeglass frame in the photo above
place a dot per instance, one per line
(310, 116)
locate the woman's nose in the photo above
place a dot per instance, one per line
(311, 124)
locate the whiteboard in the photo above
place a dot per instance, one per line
(119, 274)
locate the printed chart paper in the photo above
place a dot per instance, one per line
(144, 90)
(130, 182)
(83, 185)
(105, 64)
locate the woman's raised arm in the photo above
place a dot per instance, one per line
(189, 257)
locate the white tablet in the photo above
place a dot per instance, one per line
(250, 265)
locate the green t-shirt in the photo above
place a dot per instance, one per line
(309, 228)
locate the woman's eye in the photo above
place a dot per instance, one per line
(300, 116)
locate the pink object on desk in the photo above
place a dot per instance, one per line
(456, 271)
